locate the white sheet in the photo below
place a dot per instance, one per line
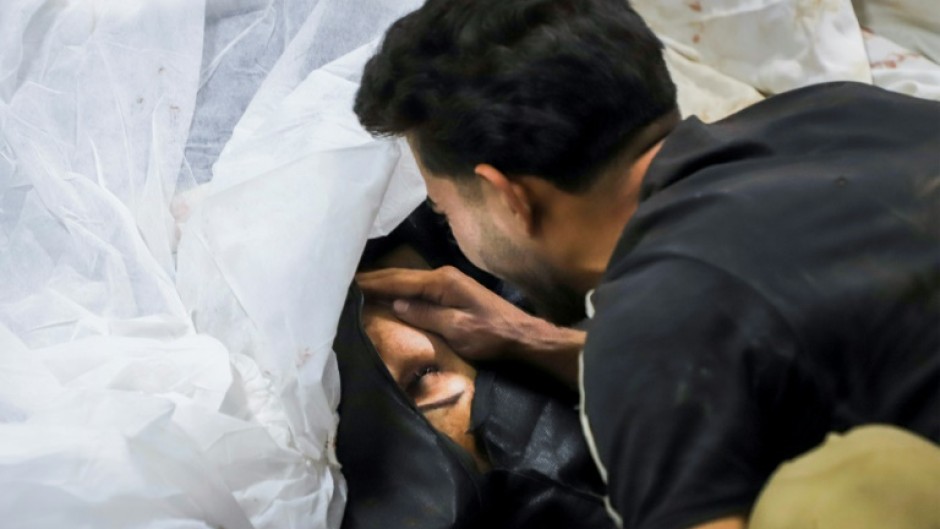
(184, 193)
(771, 45)
(118, 408)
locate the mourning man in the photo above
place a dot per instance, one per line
(754, 285)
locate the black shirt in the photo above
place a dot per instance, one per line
(779, 280)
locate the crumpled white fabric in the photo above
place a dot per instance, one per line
(771, 45)
(184, 193)
(265, 262)
(120, 407)
(704, 92)
(901, 70)
(912, 24)
(727, 54)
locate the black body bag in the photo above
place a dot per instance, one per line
(402, 473)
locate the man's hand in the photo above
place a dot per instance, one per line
(476, 323)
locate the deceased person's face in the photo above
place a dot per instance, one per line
(429, 372)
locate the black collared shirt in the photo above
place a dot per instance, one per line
(779, 280)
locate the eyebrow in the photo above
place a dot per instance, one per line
(443, 403)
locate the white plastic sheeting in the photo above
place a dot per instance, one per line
(121, 405)
(184, 193)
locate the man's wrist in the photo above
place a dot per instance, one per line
(539, 337)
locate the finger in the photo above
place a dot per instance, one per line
(395, 283)
(443, 286)
(377, 277)
(427, 316)
(380, 272)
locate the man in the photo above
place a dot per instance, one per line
(755, 284)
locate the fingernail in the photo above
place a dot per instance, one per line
(400, 305)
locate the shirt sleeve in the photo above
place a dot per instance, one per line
(693, 392)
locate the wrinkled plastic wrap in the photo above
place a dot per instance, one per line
(184, 194)
(264, 263)
(148, 385)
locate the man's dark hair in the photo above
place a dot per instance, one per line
(550, 88)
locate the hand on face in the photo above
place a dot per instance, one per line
(476, 323)
(429, 372)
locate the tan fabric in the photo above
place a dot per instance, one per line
(872, 477)
(771, 45)
(706, 92)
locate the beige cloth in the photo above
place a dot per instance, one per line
(717, 47)
(704, 92)
(873, 477)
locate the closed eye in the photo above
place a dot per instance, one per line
(443, 403)
(414, 384)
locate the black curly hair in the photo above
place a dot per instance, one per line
(551, 88)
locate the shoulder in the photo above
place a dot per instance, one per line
(683, 362)
(840, 108)
(681, 303)
(680, 322)
(847, 96)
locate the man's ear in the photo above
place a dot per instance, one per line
(514, 195)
